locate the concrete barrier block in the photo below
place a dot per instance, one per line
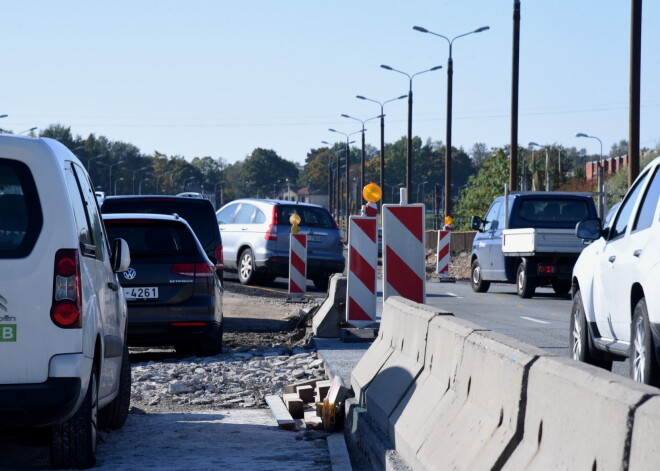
(576, 417)
(644, 449)
(415, 417)
(479, 418)
(327, 319)
(398, 374)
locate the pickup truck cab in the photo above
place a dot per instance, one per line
(529, 239)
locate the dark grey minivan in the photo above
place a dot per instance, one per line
(255, 236)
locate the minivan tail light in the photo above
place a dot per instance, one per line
(271, 233)
(193, 270)
(218, 253)
(65, 311)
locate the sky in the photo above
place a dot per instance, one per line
(220, 78)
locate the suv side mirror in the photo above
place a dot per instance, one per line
(476, 224)
(120, 258)
(589, 229)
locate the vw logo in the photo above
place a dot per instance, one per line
(130, 273)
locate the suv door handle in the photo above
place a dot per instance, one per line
(637, 252)
(112, 286)
(612, 258)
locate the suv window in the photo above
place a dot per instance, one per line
(226, 215)
(20, 210)
(153, 238)
(309, 216)
(649, 203)
(244, 215)
(622, 218)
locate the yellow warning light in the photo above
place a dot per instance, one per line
(294, 219)
(448, 220)
(372, 193)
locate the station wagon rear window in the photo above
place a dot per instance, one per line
(153, 238)
(21, 219)
(309, 216)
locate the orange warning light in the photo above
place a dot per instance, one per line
(372, 193)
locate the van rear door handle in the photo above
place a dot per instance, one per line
(637, 252)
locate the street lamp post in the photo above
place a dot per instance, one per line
(93, 158)
(26, 131)
(362, 155)
(134, 172)
(140, 185)
(450, 75)
(547, 164)
(117, 180)
(410, 107)
(394, 189)
(110, 177)
(158, 180)
(601, 188)
(348, 159)
(382, 134)
(422, 185)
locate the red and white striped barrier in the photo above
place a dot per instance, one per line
(404, 252)
(444, 240)
(370, 210)
(298, 265)
(362, 269)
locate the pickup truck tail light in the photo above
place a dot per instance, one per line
(65, 311)
(547, 269)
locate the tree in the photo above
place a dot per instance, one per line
(619, 149)
(478, 153)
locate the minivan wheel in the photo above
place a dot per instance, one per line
(73, 443)
(525, 284)
(478, 284)
(580, 336)
(246, 267)
(643, 365)
(114, 415)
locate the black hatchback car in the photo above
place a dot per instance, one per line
(173, 294)
(197, 211)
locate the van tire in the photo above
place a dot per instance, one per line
(114, 415)
(477, 282)
(73, 443)
(246, 273)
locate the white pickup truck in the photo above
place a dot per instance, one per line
(529, 239)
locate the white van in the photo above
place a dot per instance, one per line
(63, 354)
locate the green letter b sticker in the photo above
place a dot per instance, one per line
(8, 333)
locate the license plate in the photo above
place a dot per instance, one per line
(315, 237)
(134, 294)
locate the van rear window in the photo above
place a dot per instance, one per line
(21, 219)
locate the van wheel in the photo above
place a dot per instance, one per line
(643, 365)
(114, 415)
(246, 267)
(525, 284)
(580, 349)
(478, 284)
(73, 443)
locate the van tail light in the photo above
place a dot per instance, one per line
(271, 233)
(193, 270)
(218, 253)
(66, 310)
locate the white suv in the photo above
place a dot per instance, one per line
(63, 354)
(616, 300)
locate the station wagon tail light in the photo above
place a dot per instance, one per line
(193, 270)
(218, 253)
(547, 269)
(271, 233)
(66, 309)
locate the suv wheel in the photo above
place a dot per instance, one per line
(525, 284)
(113, 416)
(580, 336)
(73, 443)
(478, 284)
(643, 365)
(246, 267)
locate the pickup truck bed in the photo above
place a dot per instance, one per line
(531, 241)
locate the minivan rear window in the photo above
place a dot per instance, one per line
(194, 211)
(21, 218)
(309, 216)
(153, 238)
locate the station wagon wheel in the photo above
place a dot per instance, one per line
(643, 364)
(246, 267)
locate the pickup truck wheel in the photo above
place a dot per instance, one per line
(643, 365)
(580, 336)
(561, 287)
(525, 283)
(246, 267)
(478, 284)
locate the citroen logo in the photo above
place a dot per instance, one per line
(3, 304)
(130, 273)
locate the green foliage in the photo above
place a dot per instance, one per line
(482, 188)
(617, 186)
